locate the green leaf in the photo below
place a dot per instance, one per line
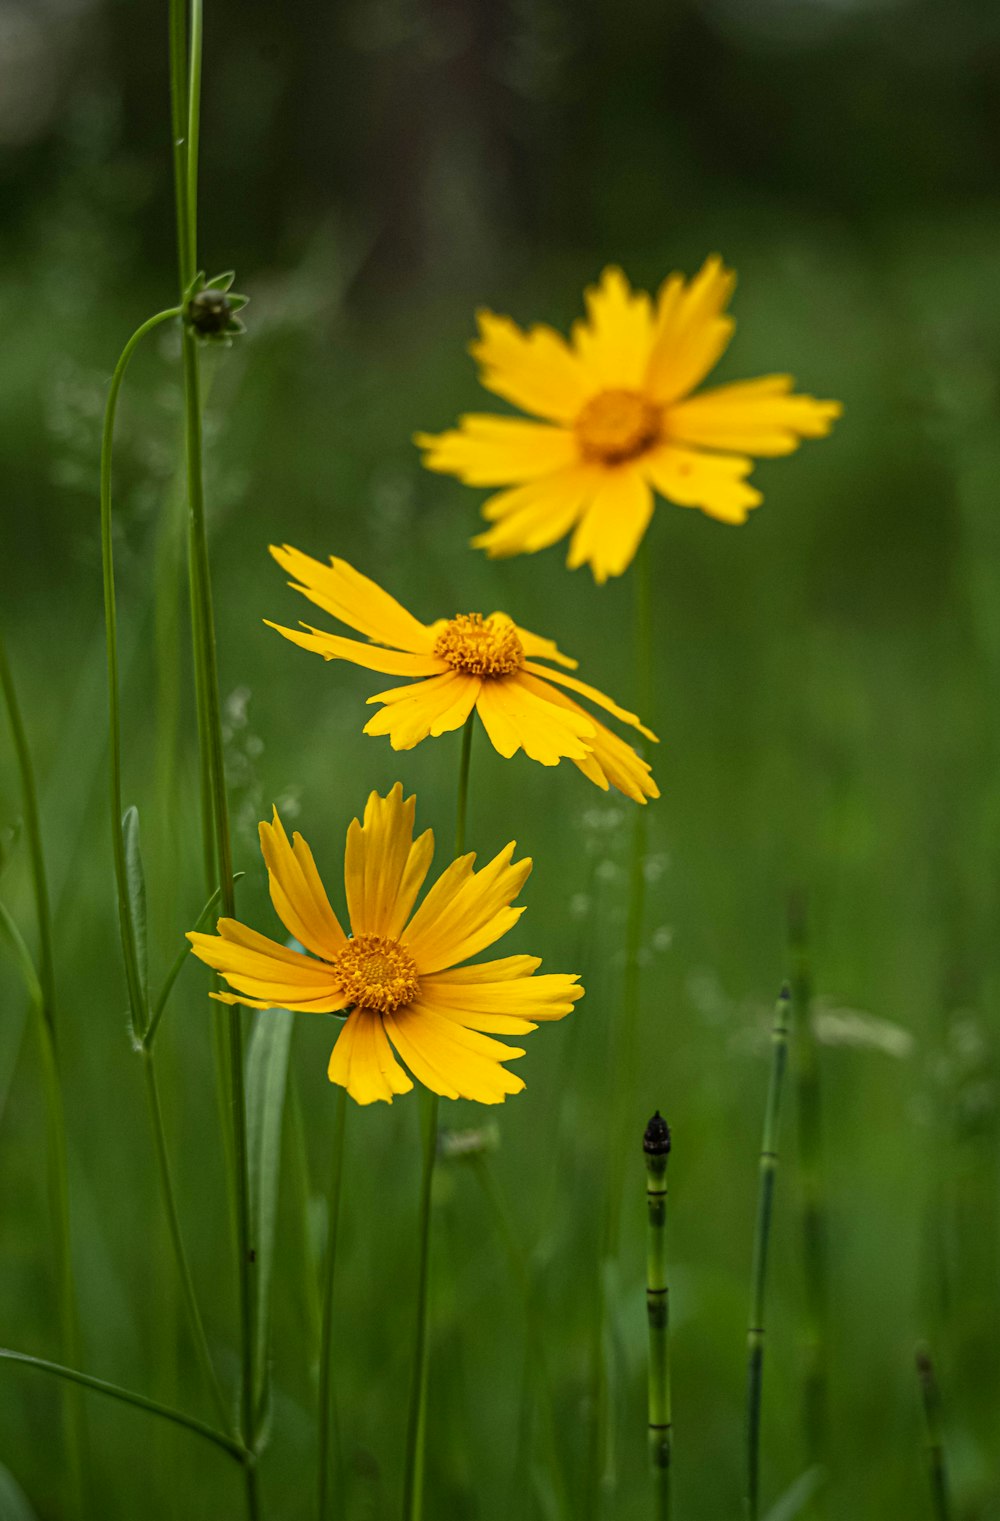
(795, 1499)
(23, 958)
(221, 282)
(136, 879)
(14, 1504)
(267, 1084)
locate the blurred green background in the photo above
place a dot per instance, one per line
(826, 696)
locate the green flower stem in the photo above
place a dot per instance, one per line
(758, 1277)
(656, 1148)
(185, 82)
(144, 1025)
(133, 976)
(329, 1276)
(129, 1397)
(537, 1361)
(811, 1192)
(45, 1007)
(416, 1426)
(177, 1240)
(931, 1399)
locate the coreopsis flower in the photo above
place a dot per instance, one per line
(620, 422)
(468, 662)
(400, 972)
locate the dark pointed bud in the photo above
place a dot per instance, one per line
(786, 992)
(656, 1141)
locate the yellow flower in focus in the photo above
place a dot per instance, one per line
(400, 972)
(620, 422)
(464, 663)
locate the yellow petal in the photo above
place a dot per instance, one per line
(758, 416)
(536, 647)
(614, 342)
(371, 656)
(532, 517)
(536, 370)
(379, 863)
(517, 716)
(610, 531)
(430, 707)
(450, 1060)
(714, 482)
(490, 451)
(469, 913)
(268, 974)
(355, 599)
(611, 761)
(592, 693)
(363, 1063)
(529, 998)
(297, 893)
(690, 330)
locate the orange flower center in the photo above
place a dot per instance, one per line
(377, 973)
(480, 646)
(616, 426)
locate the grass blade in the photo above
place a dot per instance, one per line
(14, 1505)
(135, 881)
(267, 1084)
(797, 1496)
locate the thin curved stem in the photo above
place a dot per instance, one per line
(177, 1239)
(196, 30)
(762, 1235)
(133, 976)
(45, 1006)
(329, 1277)
(129, 1397)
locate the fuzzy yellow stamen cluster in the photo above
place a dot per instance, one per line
(615, 426)
(480, 646)
(377, 973)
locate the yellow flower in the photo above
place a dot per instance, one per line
(620, 422)
(463, 663)
(399, 972)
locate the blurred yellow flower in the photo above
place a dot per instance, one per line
(621, 422)
(399, 972)
(464, 663)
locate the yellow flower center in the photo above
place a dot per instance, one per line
(480, 646)
(377, 973)
(615, 426)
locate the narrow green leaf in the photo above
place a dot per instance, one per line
(22, 956)
(797, 1496)
(267, 1084)
(14, 1504)
(136, 878)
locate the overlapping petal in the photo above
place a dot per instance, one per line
(760, 417)
(489, 451)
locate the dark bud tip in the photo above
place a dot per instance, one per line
(209, 312)
(656, 1141)
(786, 992)
(925, 1367)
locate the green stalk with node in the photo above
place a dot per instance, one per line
(656, 1148)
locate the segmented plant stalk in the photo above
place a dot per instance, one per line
(45, 1009)
(185, 83)
(930, 1396)
(416, 1426)
(811, 1193)
(656, 1147)
(762, 1234)
(329, 1275)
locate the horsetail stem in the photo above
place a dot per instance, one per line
(758, 1276)
(930, 1396)
(656, 1146)
(811, 1191)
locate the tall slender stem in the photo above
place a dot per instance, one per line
(76, 1437)
(185, 80)
(416, 1426)
(768, 1168)
(811, 1192)
(931, 1400)
(133, 976)
(329, 1275)
(656, 1147)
